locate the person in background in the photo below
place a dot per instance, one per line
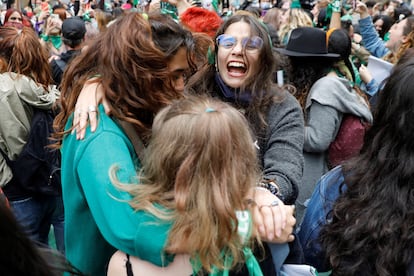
(375, 188)
(26, 83)
(21, 256)
(296, 17)
(13, 15)
(73, 36)
(325, 88)
(383, 24)
(401, 36)
(51, 38)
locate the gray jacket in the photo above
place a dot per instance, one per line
(329, 98)
(282, 151)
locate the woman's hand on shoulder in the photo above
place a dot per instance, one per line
(273, 220)
(91, 96)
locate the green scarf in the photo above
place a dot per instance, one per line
(244, 229)
(56, 40)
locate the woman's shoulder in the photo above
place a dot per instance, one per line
(107, 129)
(331, 81)
(284, 102)
(328, 88)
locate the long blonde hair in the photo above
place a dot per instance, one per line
(297, 18)
(200, 165)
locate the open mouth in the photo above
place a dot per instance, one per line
(236, 67)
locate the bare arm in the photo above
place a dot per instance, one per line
(179, 267)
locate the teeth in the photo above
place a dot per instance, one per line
(236, 64)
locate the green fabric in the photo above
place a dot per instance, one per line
(387, 36)
(167, 8)
(346, 17)
(244, 229)
(295, 4)
(87, 17)
(56, 40)
(215, 4)
(335, 6)
(357, 75)
(98, 219)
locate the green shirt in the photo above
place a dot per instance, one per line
(98, 220)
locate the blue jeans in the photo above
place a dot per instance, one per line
(37, 214)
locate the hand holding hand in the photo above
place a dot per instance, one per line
(274, 221)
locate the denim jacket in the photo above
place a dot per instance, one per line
(372, 42)
(316, 216)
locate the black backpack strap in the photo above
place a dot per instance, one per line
(61, 64)
(6, 158)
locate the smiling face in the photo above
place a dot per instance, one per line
(396, 36)
(238, 54)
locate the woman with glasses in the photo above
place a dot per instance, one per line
(241, 73)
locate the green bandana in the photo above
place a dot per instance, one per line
(56, 40)
(244, 229)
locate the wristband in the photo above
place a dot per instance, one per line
(270, 186)
(336, 6)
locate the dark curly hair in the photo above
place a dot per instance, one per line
(371, 232)
(303, 72)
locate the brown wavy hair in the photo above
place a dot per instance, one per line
(133, 73)
(23, 54)
(193, 162)
(372, 221)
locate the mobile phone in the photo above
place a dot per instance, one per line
(354, 4)
(54, 16)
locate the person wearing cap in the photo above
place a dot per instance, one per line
(325, 88)
(73, 34)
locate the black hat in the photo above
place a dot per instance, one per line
(307, 42)
(73, 28)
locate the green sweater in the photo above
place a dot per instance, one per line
(97, 219)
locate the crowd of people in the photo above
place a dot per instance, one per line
(208, 138)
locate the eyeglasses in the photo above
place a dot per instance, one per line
(251, 44)
(16, 18)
